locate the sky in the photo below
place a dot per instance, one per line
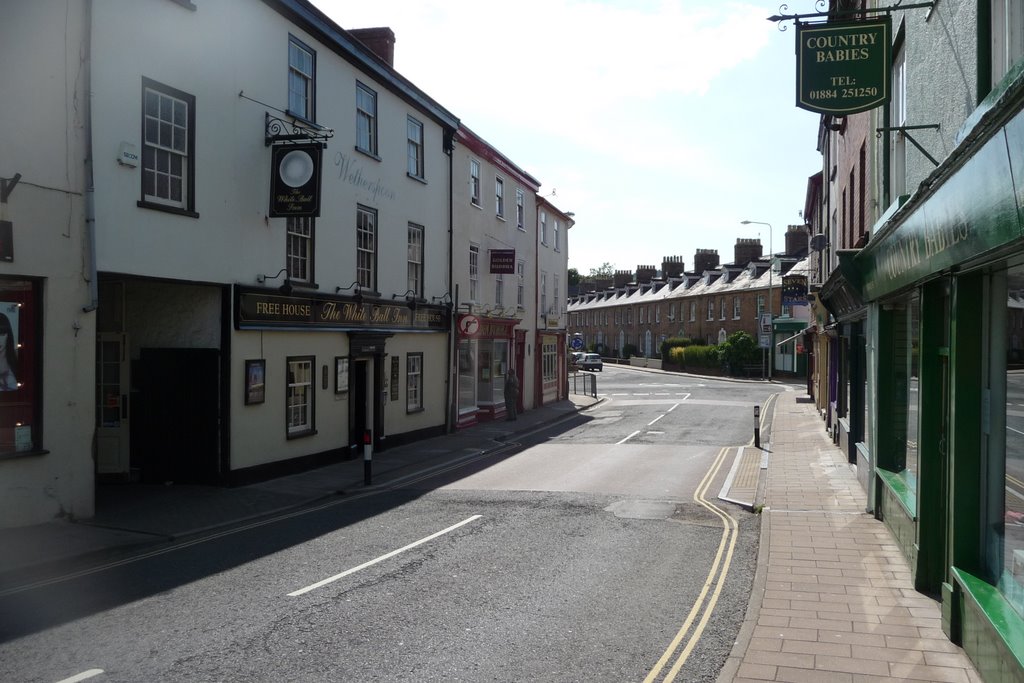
(661, 124)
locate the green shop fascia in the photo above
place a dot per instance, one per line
(943, 280)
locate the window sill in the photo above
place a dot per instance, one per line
(476, 204)
(301, 435)
(500, 217)
(142, 204)
(368, 153)
(14, 455)
(1002, 618)
(903, 486)
(417, 178)
(522, 228)
(413, 411)
(186, 4)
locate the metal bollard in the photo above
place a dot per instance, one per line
(367, 457)
(757, 426)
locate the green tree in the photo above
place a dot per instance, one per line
(574, 276)
(604, 270)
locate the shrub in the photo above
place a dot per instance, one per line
(700, 356)
(672, 343)
(739, 349)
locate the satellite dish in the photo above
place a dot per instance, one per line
(818, 242)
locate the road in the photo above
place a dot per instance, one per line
(593, 550)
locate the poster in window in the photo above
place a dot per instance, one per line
(255, 381)
(9, 320)
(340, 375)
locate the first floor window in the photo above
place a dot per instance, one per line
(414, 382)
(693, 311)
(736, 308)
(499, 290)
(300, 395)
(521, 284)
(760, 305)
(711, 308)
(300, 249)
(366, 247)
(168, 146)
(520, 209)
(474, 273)
(415, 264)
(499, 197)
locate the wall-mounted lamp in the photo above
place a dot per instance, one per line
(358, 295)
(445, 299)
(410, 301)
(285, 288)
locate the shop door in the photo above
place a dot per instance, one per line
(179, 413)
(113, 445)
(358, 423)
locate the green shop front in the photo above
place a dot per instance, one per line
(943, 282)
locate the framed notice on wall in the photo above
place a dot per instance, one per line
(340, 375)
(255, 381)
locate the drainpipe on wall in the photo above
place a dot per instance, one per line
(90, 203)
(450, 409)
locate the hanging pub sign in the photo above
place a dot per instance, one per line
(843, 68)
(794, 290)
(503, 261)
(295, 180)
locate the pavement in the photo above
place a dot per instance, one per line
(832, 598)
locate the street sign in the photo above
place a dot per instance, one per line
(576, 343)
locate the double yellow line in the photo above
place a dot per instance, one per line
(712, 584)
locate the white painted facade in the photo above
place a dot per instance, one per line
(190, 340)
(46, 471)
(505, 307)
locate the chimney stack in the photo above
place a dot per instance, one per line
(747, 249)
(705, 259)
(381, 42)
(672, 266)
(622, 278)
(644, 274)
(797, 237)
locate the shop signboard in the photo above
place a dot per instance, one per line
(295, 180)
(843, 68)
(973, 212)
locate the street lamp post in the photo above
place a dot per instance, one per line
(771, 311)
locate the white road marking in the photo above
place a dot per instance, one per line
(685, 396)
(656, 419)
(364, 565)
(82, 676)
(628, 437)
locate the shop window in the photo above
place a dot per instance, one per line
(906, 350)
(414, 382)
(300, 396)
(1005, 488)
(20, 344)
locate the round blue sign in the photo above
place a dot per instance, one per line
(576, 343)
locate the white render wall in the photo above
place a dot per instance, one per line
(41, 114)
(213, 53)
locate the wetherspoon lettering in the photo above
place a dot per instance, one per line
(352, 173)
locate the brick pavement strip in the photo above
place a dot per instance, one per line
(833, 599)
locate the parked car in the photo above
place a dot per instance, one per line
(591, 361)
(575, 358)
